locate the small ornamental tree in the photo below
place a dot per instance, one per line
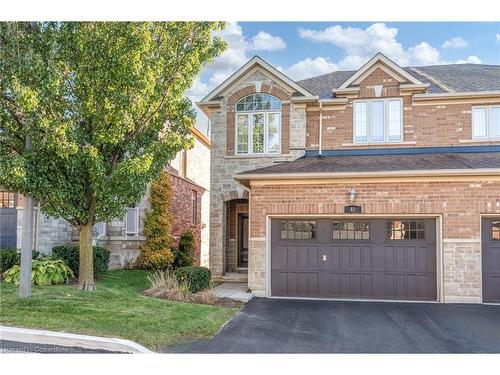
(156, 253)
(90, 112)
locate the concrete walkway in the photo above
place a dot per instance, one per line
(234, 291)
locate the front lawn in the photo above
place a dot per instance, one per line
(116, 309)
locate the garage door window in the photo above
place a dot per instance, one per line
(351, 230)
(298, 229)
(406, 230)
(495, 230)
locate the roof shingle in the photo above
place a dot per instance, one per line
(383, 163)
(458, 77)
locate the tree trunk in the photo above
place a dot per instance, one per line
(26, 249)
(86, 273)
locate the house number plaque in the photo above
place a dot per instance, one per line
(352, 209)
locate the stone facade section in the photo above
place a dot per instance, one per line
(48, 232)
(225, 164)
(462, 270)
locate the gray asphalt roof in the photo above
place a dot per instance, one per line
(458, 77)
(382, 163)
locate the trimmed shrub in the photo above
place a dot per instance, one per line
(71, 256)
(11, 257)
(184, 255)
(43, 272)
(156, 253)
(8, 259)
(197, 278)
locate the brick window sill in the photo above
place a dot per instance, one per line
(480, 141)
(269, 156)
(381, 144)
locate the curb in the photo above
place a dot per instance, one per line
(34, 336)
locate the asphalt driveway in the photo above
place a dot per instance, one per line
(303, 326)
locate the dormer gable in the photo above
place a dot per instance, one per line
(257, 64)
(381, 66)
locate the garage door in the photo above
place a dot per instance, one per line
(8, 220)
(491, 259)
(365, 258)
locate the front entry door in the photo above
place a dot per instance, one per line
(243, 240)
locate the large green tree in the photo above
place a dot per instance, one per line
(91, 113)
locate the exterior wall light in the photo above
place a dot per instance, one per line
(352, 195)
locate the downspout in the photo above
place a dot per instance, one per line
(37, 227)
(320, 129)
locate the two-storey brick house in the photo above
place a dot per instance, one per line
(381, 183)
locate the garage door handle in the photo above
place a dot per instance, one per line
(324, 257)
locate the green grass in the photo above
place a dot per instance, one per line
(116, 309)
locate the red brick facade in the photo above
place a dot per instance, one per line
(443, 124)
(459, 202)
(182, 209)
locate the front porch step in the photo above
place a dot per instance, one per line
(232, 277)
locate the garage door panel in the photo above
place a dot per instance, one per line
(367, 263)
(412, 285)
(312, 257)
(332, 287)
(412, 259)
(493, 288)
(399, 257)
(355, 257)
(327, 268)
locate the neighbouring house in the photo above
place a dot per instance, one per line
(381, 183)
(190, 178)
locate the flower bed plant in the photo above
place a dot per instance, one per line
(43, 272)
(167, 285)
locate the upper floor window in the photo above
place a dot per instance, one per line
(378, 120)
(486, 122)
(132, 221)
(258, 125)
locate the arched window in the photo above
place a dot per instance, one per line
(258, 125)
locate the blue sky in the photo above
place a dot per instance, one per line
(306, 49)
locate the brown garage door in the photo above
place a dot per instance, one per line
(362, 258)
(491, 259)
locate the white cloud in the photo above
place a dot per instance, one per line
(455, 43)
(239, 51)
(498, 37)
(424, 54)
(310, 67)
(469, 60)
(266, 42)
(360, 44)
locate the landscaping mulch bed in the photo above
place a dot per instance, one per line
(202, 298)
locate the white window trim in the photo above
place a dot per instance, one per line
(386, 121)
(487, 109)
(250, 115)
(127, 231)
